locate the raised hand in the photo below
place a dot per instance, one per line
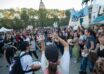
(42, 45)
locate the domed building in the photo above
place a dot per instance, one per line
(42, 5)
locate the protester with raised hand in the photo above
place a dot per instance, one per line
(50, 62)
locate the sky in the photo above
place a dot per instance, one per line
(49, 4)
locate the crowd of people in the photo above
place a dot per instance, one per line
(56, 46)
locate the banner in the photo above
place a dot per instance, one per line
(85, 22)
(94, 14)
(86, 10)
(74, 15)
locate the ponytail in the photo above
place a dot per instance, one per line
(52, 68)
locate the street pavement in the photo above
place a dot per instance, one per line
(74, 67)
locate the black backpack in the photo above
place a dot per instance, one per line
(16, 67)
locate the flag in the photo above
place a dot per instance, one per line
(74, 19)
(81, 21)
(74, 15)
(81, 14)
(86, 11)
(85, 22)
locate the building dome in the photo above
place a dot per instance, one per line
(41, 6)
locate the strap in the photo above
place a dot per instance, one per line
(27, 65)
(27, 71)
(24, 55)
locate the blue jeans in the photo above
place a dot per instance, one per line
(85, 61)
(70, 51)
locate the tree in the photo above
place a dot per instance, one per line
(42, 17)
(33, 14)
(67, 13)
(18, 24)
(24, 16)
(38, 18)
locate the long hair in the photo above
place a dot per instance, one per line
(52, 54)
(92, 32)
(99, 66)
(52, 68)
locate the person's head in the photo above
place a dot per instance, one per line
(25, 46)
(101, 28)
(65, 30)
(96, 27)
(52, 55)
(99, 66)
(81, 32)
(101, 38)
(88, 32)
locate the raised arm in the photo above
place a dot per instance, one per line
(65, 59)
(43, 58)
(42, 46)
(63, 42)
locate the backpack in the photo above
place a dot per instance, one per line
(16, 67)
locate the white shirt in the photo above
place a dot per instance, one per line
(65, 34)
(33, 48)
(27, 39)
(64, 62)
(26, 62)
